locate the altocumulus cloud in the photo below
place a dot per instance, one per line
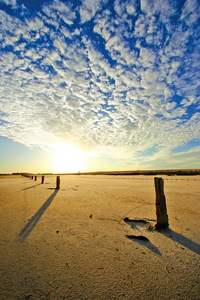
(102, 74)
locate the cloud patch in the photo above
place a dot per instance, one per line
(101, 75)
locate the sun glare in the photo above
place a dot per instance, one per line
(68, 159)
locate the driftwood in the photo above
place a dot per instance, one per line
(138, 237)
(161, 209)
(135, 220)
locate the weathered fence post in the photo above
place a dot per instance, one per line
(35, 178)
(58, 183)
(161, 209)
(42, 179)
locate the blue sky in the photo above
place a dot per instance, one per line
(117, 79)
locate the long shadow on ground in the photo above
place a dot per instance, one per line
(182, 240)
(178, 239)
(33, 221)
(30, 187)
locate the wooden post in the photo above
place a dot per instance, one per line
(161, 209)
(31, 177)
(42, 179)
(35, 178)
(58, 182)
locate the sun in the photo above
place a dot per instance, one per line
(67, 158)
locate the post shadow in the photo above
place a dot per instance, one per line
(30, 187)
(33, 221)
(182, 240)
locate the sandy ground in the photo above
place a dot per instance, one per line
(71, 243)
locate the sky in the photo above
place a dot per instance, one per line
(102, 84)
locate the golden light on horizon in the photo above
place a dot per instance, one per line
(68, 158)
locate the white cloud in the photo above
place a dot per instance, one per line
(8, 23)
(131, 7)
(147, 58)
(164, 9)
(102, 25)
(9, 2)
(123, 8)
(89, 8)
(57, 9)
(190, 12)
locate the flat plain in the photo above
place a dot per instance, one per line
(72, 243)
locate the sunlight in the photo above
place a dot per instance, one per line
(68, 159)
